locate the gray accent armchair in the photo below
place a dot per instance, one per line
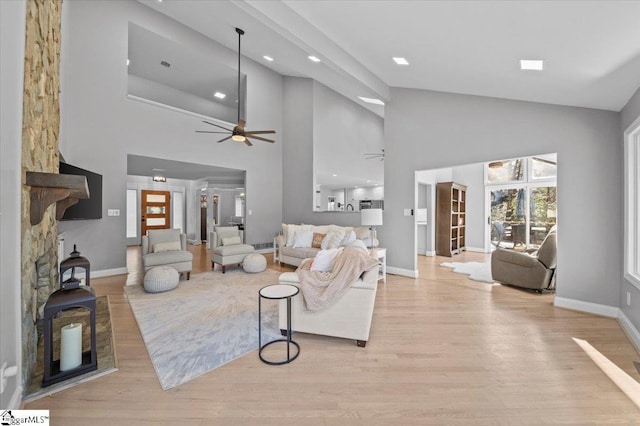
(225, 255)
(153, 254)
(533, 271)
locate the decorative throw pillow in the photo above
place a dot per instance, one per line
(332, 240)
(226, 231)
(303, 238)
(168, 246)
(317, 240)
(362, 232)
(324, 259)
(358, 243)
(348, 238)
(230, 241)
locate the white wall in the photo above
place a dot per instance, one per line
(12, 26)
(454, 129)
(101, 126)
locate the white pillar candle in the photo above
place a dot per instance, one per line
(71, 346)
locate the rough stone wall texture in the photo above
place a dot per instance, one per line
(40, 127)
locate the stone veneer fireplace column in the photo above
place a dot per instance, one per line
(40, 129)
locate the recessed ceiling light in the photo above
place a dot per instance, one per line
(400, 61)
(158, 170)
(532, 64)
(371, 100)
(268, 58)
(313, 58)
(128, 61)
(219, 95)
(335, 175)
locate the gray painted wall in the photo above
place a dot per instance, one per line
(457, 129)
(310, 111)
(101, 126)
(12, 15)
(472, 175)
(631, 110)
(629, 114)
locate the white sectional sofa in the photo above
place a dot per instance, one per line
(349, 317)
(293, 251)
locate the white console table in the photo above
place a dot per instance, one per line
(382, 257)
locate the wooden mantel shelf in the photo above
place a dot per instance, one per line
(48, 188)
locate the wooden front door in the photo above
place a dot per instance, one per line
(155, 210)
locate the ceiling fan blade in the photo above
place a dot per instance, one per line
(224, 139)
(259, 132)
(213, 124)
(262, 139)
(247, 142)
(207, 131)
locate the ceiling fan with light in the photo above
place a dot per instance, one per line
(238, 133)
(371, 156)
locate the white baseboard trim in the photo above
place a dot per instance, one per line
(109, 272)
(603, 310)
(430, 253)
(194, 242)
(16, 399)
(265, 251)
(630, 329)
(588, 307)
(103, 273)
(477, 249)
(401, 271)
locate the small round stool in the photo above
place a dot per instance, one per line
(160, 279)
(254, 263)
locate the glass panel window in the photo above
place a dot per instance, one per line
(506, 170)
(508, 217)
(156, 198)
(544, 210)
(156, 221)
(155, 210)
(632, 205)
(132, 213)
(178, 209)
(544, 166)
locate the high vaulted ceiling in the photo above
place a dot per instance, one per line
(591, 49)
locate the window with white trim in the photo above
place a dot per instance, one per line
(632, 204)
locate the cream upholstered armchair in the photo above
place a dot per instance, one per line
(166, 247)
(534, 271)
(227, 246)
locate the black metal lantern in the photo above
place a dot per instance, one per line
(69, 296)
(72, 262)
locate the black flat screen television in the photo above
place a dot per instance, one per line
(90, 208)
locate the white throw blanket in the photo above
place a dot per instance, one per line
(321, 289)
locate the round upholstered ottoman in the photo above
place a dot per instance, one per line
(161, 278)
(254, 263)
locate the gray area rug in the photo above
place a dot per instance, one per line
(206, 322)
(476, 271)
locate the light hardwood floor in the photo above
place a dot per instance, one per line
(443, 350)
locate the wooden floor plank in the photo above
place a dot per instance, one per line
(443, 350)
